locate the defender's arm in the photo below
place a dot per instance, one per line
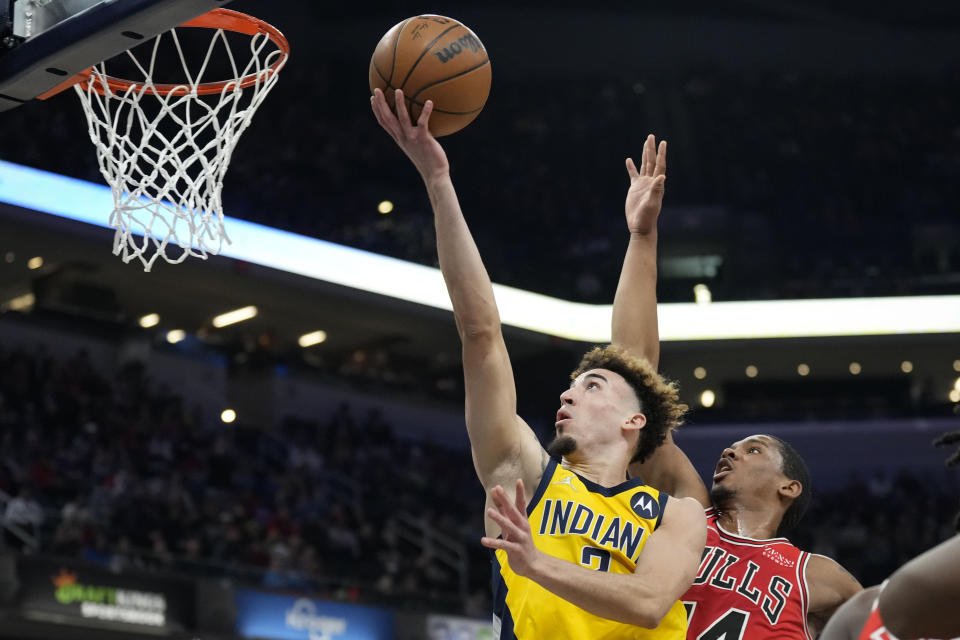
(830, 586)
(634, 323)
(635, 312)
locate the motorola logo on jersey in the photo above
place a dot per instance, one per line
(645, 505)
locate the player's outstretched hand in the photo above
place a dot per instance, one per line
(415, 139)
(645, 195)
(516, 537)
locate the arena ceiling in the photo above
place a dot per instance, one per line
(83, 284)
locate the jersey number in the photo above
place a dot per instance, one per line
(729, 626)
(589, 553)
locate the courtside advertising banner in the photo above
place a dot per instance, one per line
(78, 593)
(458, 628)
(275, 617)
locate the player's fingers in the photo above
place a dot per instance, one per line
(521, 498)
(382, 111)
(507, 527)
(375, 105)
(655, 197)
(632, 169)
(649, 156)
(501, 500)
(509, 510)
(494, 543)
(661, 159)
(498, 496)
(424, 119)
(375, 108)
(402, 114)
(658, 185)
(380, 102)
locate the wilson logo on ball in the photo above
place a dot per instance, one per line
(468, 41)
(433, 58)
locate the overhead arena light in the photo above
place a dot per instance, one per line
(235, 316)
(707, 398)
(150, 320)
(20, 303)
(269, 247)
(312, 338)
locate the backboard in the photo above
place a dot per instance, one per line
(44, 43)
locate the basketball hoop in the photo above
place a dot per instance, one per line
(164, 148)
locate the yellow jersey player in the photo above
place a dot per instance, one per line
(592, 554)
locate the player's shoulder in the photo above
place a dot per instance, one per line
(685, 512)
(822, 567)
(829, 583)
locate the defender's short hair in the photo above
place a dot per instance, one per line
(658, 397)
(795, 468)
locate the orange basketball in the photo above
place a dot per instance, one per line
(433, 58)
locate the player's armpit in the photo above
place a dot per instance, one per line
(830, 585)
(671, 557)
(527, 463)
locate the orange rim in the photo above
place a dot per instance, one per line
(217, 19)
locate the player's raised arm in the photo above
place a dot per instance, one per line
(635, 312)
(504, 448)
(635, 304)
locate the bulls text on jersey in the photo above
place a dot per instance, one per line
(772, 596)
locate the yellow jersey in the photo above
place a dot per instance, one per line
(601, 528)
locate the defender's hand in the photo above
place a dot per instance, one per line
(645, 195)
(516, 536)
(415, 139)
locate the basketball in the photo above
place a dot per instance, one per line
(433, 58)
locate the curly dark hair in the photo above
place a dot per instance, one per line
(947, 439)
(659, 398)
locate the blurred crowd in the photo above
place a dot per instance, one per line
(790, 185)
(113, 469)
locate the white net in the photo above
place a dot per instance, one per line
(164, 148)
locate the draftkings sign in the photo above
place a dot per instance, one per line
(91, 595)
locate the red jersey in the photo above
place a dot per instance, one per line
(748, 589)
(873, 628)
